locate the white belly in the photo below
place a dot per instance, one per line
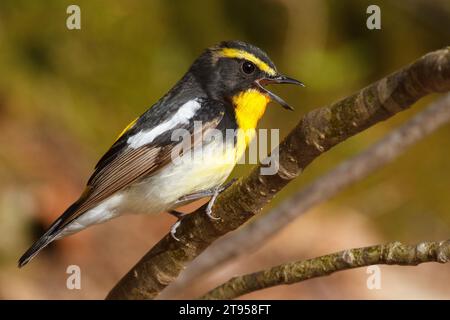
(191, 173)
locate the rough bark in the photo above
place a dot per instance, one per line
(317, 132)
(319, 191)
(394, 253)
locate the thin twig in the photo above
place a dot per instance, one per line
(394, 253)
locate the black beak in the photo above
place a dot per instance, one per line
(276, 80)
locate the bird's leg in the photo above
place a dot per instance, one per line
(176, 214)
(213, 193)
(204, 193)
(211, 203)
(227, 185)
(218, 190)
(179, 215)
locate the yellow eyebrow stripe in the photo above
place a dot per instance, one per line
(241, 54)
(128, 127)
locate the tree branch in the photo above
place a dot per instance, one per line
(328, 185)
(394, 253)
(317, 132)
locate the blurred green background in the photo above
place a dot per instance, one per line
(66, 94)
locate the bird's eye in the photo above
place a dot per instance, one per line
(248, 67)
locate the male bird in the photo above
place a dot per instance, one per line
(224, 90)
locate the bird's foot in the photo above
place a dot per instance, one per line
(176, 214)
(213, 193)
(173, 229)
(204, 193)
(216, 191)
(227, 185)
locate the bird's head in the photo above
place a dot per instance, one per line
(233, 70)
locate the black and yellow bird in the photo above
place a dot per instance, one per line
(223, 90)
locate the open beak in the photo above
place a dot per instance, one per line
(261, 83)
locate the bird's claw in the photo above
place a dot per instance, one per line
(214, 193)
(173, 230)
(211, 204)
(217, 191)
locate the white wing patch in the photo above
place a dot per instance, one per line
(182, 116)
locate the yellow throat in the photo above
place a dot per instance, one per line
(249, 107)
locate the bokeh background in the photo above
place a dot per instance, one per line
(65, 95)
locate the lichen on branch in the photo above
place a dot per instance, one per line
(394, 253)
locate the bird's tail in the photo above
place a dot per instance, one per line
(50, 235)
(40, 244)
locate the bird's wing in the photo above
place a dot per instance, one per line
(142, 151)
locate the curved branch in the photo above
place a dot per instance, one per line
(317, 132)
(394, 253)
(328, 185)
